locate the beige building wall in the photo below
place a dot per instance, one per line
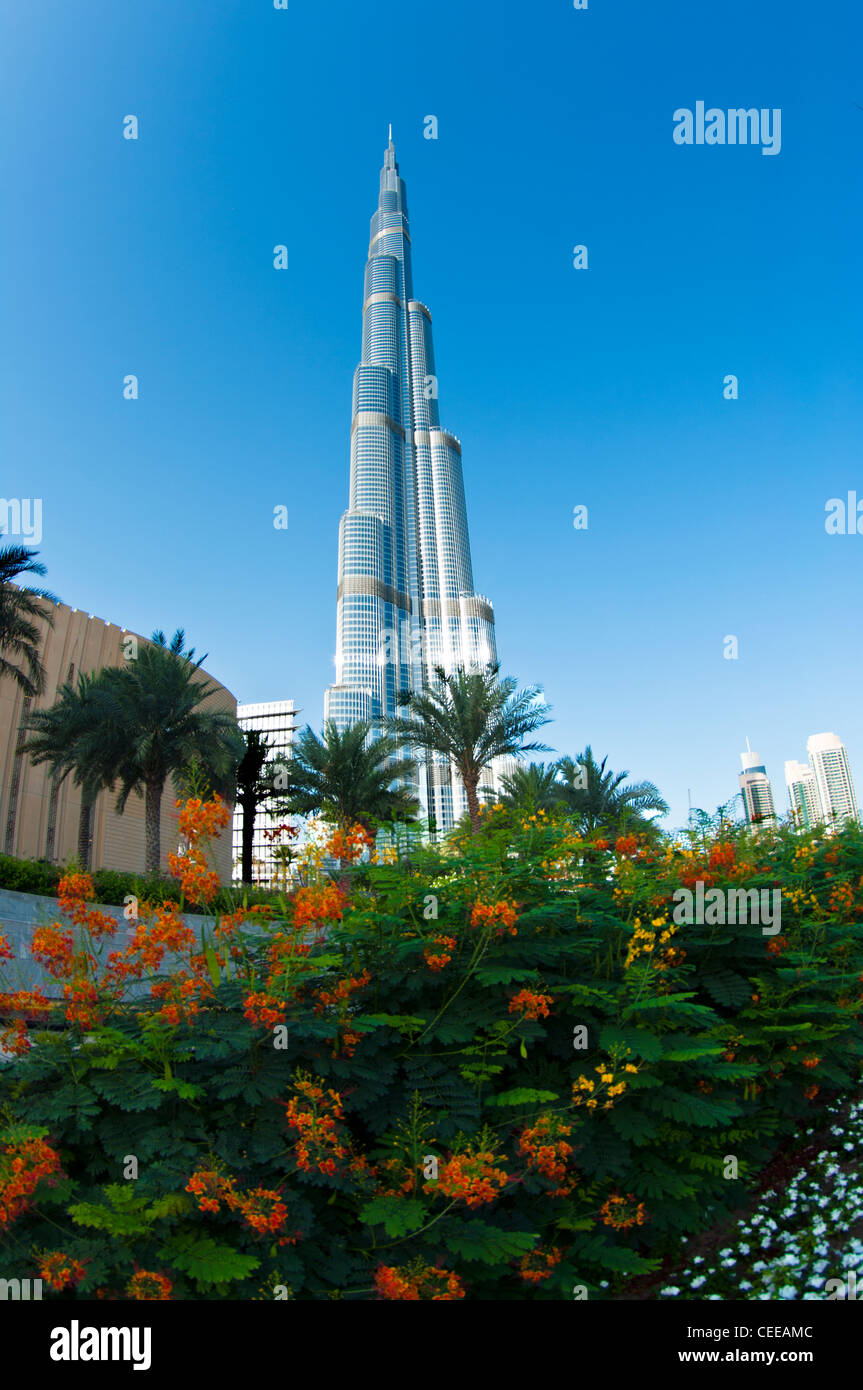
(39, 820)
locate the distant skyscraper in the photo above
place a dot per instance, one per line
(406, 600)
(803, 796)
(755, 789)
(275, 719)
(829, 762)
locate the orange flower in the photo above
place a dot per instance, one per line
(342, 992)
(530, 1005)
(210, 1188)
(313, 905)
(486, 914)
(545, 1148)
(722, 856)
(184, 994)
(621, 1212)
(59, 1271)
(471, 1177)
(6, 952)
(199, 884)
(84, 1007)
(626, 844)
(537, 1264)
(350, 845)
(147, 1287)
(314, 1113)
(200, 820)
(52, 947)
(417, 1283)
(30, 1002)
(437, 960)
(15, 1039)
(74, 890)
(23, 1165)
(263, 1010)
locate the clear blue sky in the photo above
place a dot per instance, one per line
(601, 387)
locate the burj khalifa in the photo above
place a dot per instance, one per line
(406, 600)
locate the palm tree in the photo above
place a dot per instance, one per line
(601, 801)
(532, 788)
(257, 783)
(156, 706)
(347, 777)
(20, 609)
(470, 718)
(76, 736)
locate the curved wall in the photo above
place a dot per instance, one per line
(39, 820)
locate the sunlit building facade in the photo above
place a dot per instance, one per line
(756, 790)
(39, 814)
(406, 600)
(803, 796)
(828, 759)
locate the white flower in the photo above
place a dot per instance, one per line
(696, 1283)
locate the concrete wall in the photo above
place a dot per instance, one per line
(21, 912)
(39, 820)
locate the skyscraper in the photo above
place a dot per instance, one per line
(756, 789)
(829, 762)
(406, 601)
(803, 796)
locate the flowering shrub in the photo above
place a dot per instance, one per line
(496, 1070)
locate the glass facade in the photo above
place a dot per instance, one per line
(406, 601)
(828, 759)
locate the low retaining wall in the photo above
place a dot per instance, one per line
(21, 913)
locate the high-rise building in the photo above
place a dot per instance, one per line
(829, 762)
(274, 719)
(406, 599)
(803, 796)
(756, 790)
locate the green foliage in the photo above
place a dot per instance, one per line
(551, 1105)
(113, 886)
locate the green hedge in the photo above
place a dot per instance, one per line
(113, 885)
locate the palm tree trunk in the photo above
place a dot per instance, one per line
(85, 823)
(153, 804)
(470, 786)
(249, 812)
